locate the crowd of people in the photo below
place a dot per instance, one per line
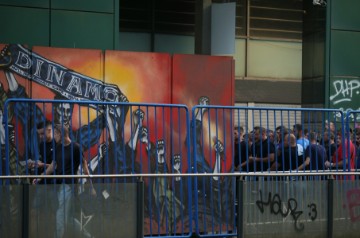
(296, 149)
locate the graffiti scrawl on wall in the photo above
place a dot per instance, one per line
(352, 198)
(127, 138)
(290, 207)
(344, 94)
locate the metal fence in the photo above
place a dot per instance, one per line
(155, 170)
(312, 140)
(115, 138)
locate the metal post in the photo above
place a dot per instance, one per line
(330, 207)
(25, 208)
(140, 208)
(240, 208)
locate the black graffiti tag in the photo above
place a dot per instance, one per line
(275, 208)
(313, 211)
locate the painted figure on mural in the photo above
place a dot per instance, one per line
(214, 193)
(167, 207)
(123, 154)
(29, 115)
(178, 183)
(87, 135)
(9, 195)
(14, 167)
(17, 59)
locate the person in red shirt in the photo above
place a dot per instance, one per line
(338, 161)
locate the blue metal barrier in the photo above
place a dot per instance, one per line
(139, 139)
(301, 143)
(115, 138)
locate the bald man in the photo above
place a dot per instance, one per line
(289, 157)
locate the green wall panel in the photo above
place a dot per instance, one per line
(84, 5)
(345, 53)
(24, 25)
(345, 14)
(22, 3)
(82, 30)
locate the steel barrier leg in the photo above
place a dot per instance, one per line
(25, 209)
(240, 208)
(330, 207)
(140, 208)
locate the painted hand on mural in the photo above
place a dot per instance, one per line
(102, 151)
(219, 147)
(160, 149)
(219, 150)
(111, 122)
(115, 117)
(203, 101)
(122, 98)
(118, 110)
(138, 116)
(177, 165)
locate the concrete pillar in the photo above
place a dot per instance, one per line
(203, 27)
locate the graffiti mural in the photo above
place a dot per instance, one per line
(122, 139)
(200, 76)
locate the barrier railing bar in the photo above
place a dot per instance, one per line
(268, 108)
(252, 174)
